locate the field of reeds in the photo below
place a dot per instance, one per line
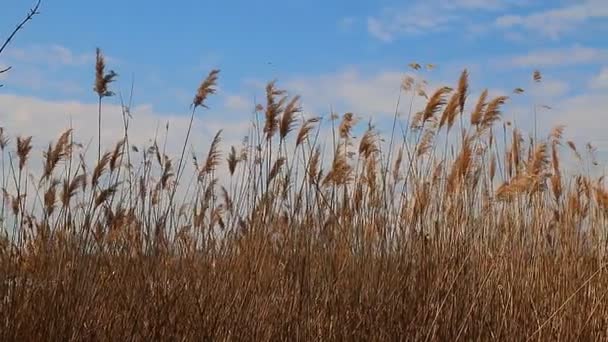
(455, 225)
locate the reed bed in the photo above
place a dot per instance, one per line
(455, 225)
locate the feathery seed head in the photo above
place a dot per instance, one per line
(102, 80)
(206, 88)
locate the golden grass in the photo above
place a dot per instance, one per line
(477, 237)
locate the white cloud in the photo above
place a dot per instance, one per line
(34, 78)
(51, 55)
(370, 95)
(349, 90)
(33, 65)
(375, 95)
(416, 20)
(238, 103)
(428, 16)
(574, 55)
(45, 120)
(377, 30)
(550, 89)
(600, 81)
(347, 23)
(555, 22)
(583, 116)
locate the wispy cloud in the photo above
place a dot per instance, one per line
(349, 90)
(392, 22)
(556, 21)
(238, 103)
(347, 23)
(600, 81)
(51, 55)
(550, 89)
(420, 17)
(565, 56)
(45, 119)
(36, 79)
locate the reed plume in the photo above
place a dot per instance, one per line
(102, 82)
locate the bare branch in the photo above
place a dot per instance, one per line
(33, 11)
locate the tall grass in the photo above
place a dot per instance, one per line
(457, 229)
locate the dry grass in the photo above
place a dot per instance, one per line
(474, 236)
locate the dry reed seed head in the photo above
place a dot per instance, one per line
(426, 143)
(3, 139)
(341, 171)
(416, 123)
(24, 147)
(53, 155)
(371, 173)
(305, 130)
(102, 80)
(105, 194)
(592, 152)
(227, 200)
(16, 205)
(397, 165)
(461, 166)
(530, 149)
(166, 175)
(421, 91)
(509, 163)
(601, 197)
(206, 88)
(117, 154)
(288, 120)
(415, 66)
(232, 160)
(421, 201)
(477, 114)
(493, 112)
(276, 168)
(347, 124)
(451, 111)
(516, 148)
(408, 83)
(100, 168)
(275, 101)
(314, 166)
(214, 156)
(368, 144)
(50, 197)
(573, 148)
(463, 89)
(556, 186)
(438, 171)
(505, 192)
(555, 159)
(435, 103)
(48, 163)
(557, 133)
(539, 160)
(70, 189)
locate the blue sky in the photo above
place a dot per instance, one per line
(347, 54)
